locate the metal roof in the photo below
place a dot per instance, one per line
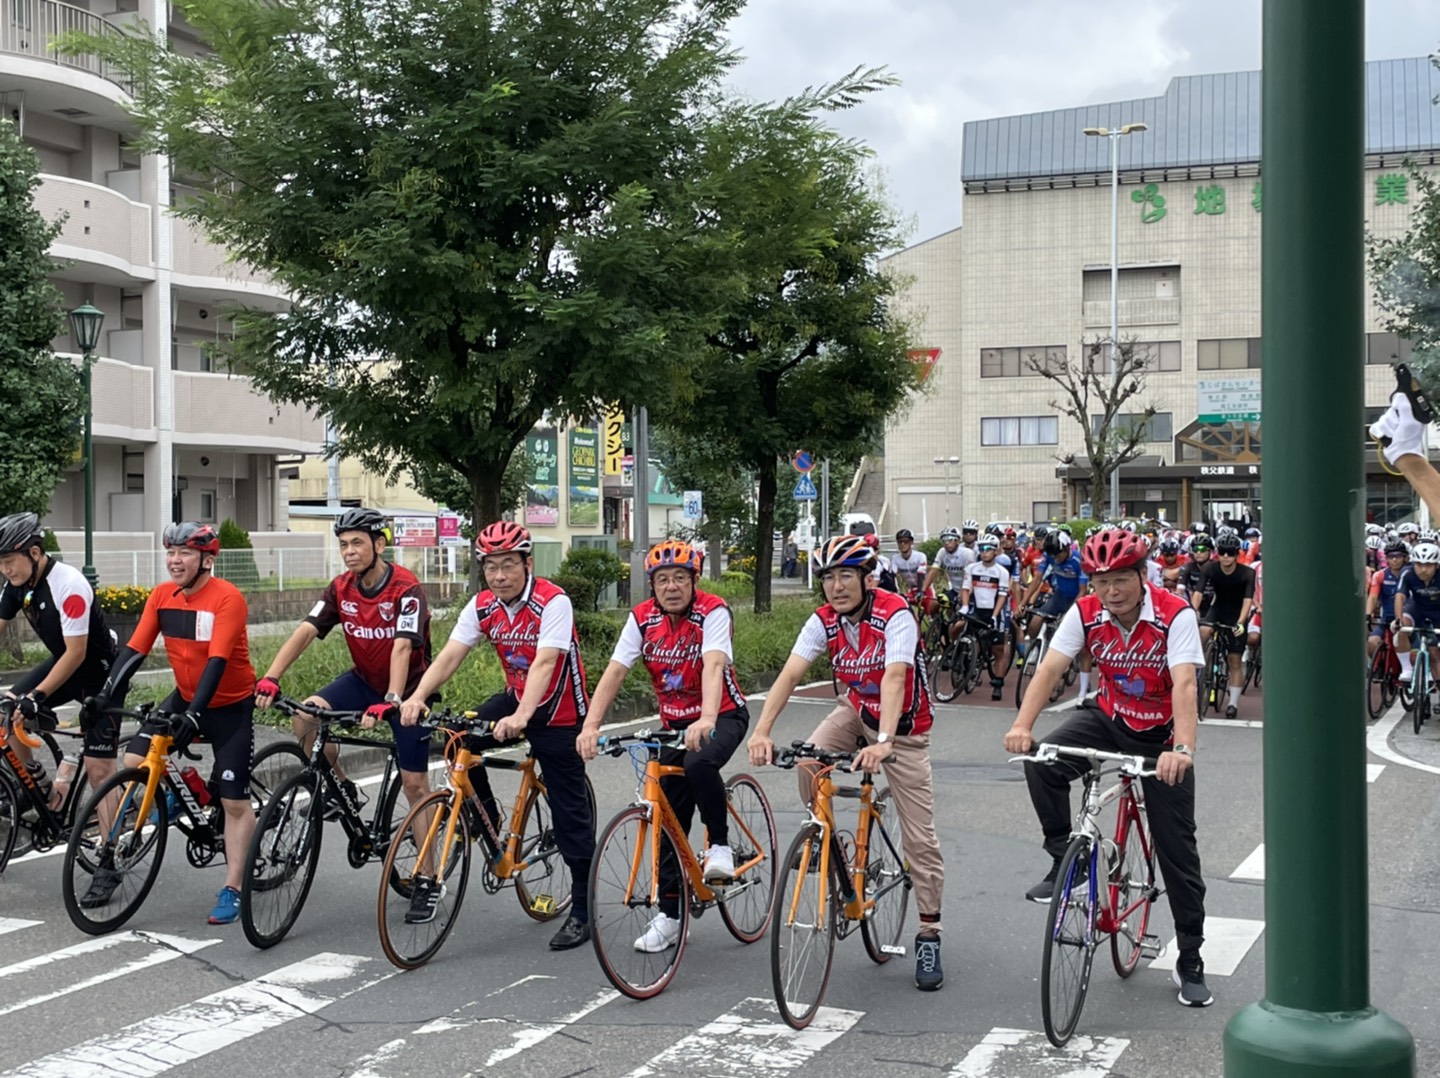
(1200, 120)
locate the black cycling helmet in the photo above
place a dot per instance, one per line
(1202, 542)
(371, 521)
(19, 532)
(1228, 544)
(904, 535)
(1040, 532)
(1169, 546)
(1397, 547)
(1058, 544)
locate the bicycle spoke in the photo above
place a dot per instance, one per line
(1069, 946)
(626, 898)
(802, 938)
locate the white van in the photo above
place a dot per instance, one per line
(857, 523)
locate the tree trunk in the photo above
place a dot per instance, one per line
(715, 544)
(485, 508)
(764, 536)
(1099, 490)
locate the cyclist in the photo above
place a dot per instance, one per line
(683, 636)
(875, 652)
(60, 607)
(531, 624)
(1171, 564)
(1146, 645)
(950, 559)
(910, 564)
(1060, 570)
(1409, 533)
(1380, 598)
(985, 593)
(203, 620)
(884, 576)
(969, 532)
(1192, 580)
(1233, 588)
(1417, 601)
(381, 610)
(1251, 554)
(1010, 553)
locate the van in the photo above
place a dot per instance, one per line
(857, 523)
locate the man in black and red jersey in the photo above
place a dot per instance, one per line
(874, 647)
(682, 635)
(531, 624)
(382, 611)
(1146, 645)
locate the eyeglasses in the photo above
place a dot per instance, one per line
(1229, 554)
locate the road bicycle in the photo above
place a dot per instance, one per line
(1382, 677)
(285, 848)
(27, 822)
(1212, 682)
(1103, 887)
(123, 827)
(831, 882)
(1035, 654)
(436, 856)
(1253, 668)
(625, 878)
(1416, 695)
(936, 639)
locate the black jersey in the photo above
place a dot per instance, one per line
(60, 604)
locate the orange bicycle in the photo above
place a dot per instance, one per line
(433, 857)
(625, 888)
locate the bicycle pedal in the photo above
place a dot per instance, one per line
(543, 904)
(895, 949)
(1151, 946)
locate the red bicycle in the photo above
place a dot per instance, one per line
(1382, 679)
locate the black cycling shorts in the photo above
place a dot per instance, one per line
(230, 733)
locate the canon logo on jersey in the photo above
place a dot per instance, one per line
(365, 632)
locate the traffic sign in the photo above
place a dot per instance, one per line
(805, 489)
(802, 462)
(693, 505)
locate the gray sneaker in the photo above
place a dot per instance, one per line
(1189, 977)
(929, 974)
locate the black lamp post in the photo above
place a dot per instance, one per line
(85, 323)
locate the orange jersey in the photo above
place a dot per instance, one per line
(207, 625)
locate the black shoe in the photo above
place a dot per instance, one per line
(929, 975)
(1189, 977)
(1231, 711)
(572, 933)
(424, 897)
(102, 885)
(997, 691)
(1045, 889)
(334, 808)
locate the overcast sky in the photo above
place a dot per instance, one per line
(965, 60)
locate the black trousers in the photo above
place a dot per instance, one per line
(1170, 809)
(702, 786)
(564, 773)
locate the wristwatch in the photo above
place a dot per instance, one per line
(1184, 750)
(882, 738)
(393, 698)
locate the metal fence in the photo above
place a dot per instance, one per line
(30, 27)
(276, 568)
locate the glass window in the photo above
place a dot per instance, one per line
(1232, 354)
(990, 363)
(1386, 348)
(1020, 430)
(1021, 362)
(1040, 512)
(1161, 427)
(1159, 357)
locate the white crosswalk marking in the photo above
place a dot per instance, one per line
(533, 1034)
(750, 1038)
(15, 924)
(158, 1044)
(1004, 1052)
(1372, 771)
(1253, 867)
(165, 948)
(1227, 941)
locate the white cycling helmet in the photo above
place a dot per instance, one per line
(1374, 529)
(1428, 535)
(970, 526)
(1374, 542)
(948, 534)
(1425, 554)
(1408, 528)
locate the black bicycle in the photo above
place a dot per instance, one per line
(1213, 681)
(285, 848)
(1035, 654)
(27, 822)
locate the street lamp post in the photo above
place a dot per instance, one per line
(1115, 135)
(85, 323)
(945, 464)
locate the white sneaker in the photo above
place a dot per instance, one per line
(719, 864)
(1399, 433)
(662, 934)
(1407, 676)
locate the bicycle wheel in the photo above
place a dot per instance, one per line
(1069, 945)
(1134, 892)
(625, 898)
(1202, 686)
(1375, 679)
(934, 654)
(9, 818)
(887, 884)
(745, 905)
(971, 667)
(407, 942)
(1420, 690)
(1027, 671)
(128, 852)
(946, 682)
(545, 887)
(280, 864)
(802, 938)
(272, 766)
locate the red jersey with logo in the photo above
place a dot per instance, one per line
(197, 628)
(1135, 681)
(672, 651)
(516, 642)
(372, 620)
(860, 666)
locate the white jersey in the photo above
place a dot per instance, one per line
(1154, 572)
(954, 564)
(989, 585)
(910, 571)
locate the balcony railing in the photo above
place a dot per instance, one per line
(30, 27)
(1134, 312)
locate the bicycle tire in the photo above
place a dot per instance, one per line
(1202, 686)
(1420, 690)
(622, 904)
(973, 669)
(280, 863)
(802, 935)
(746, 906)
(271, 767)
(944, 684)
(1375, 678)
(9, 817)
(887, 884)
(1027, 671)
(1069, 949)
(133, 847)
(935, 645)
(1135, 883)
(410, 946)
(546, 886)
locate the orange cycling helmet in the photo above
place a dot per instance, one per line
(1107, 551)
(503, 537)
(673, 552)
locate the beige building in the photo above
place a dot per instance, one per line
(1028, 276)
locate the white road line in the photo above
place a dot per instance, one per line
(1253, 867)
(16, 924)
(1227, 941)
(749, 1038)
(1372, 771)
(165, 949)
(1239, 724)
(1004, 1052)
(165, 1041)
(1378, 741)
(532, 1034)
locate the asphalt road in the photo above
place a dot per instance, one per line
(171, 994)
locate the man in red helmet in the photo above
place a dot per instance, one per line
(531, 624)
(1146, 646)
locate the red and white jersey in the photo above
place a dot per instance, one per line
(372, 620)
(541, 617)
(1134, 667)
(860, 652)
(673, 651)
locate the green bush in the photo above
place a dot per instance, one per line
(595, 565)
(584, 595)
(930, 547)
(233, 537)
(236, 562)
(50, 543)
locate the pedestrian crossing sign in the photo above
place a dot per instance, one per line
(805, 489)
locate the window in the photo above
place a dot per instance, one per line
(207, 506)
(1231, 354)
(1386, 348)
(1159, 357)
(1021, 362)
(1040, 512)
(1020, 430)
(1161, 427)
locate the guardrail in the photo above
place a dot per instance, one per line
(276, 568)
(30, 27)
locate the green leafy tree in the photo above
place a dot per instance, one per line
(44, 407)
(806, 349)
(1405, 271)
(465, 200)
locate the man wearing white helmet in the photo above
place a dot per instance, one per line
(1417, 600)
(951, 559)
(1407, 532)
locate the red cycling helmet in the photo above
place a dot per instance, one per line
(503, 537)
(871, 540)
(196, 536)
(673, 552)
(1107, 551)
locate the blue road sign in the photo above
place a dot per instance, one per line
(805, 489)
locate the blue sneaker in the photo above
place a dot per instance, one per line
(227, 907)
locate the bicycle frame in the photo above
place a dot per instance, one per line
(1131, 795)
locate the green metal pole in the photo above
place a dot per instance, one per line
(1316, 1017)
(88, 569)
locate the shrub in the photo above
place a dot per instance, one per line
(125, 601)
(51, 544)
(930, 547)
(236, 562)
(746, 564)
(597, 567)
(233, 537)
(584, 595)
